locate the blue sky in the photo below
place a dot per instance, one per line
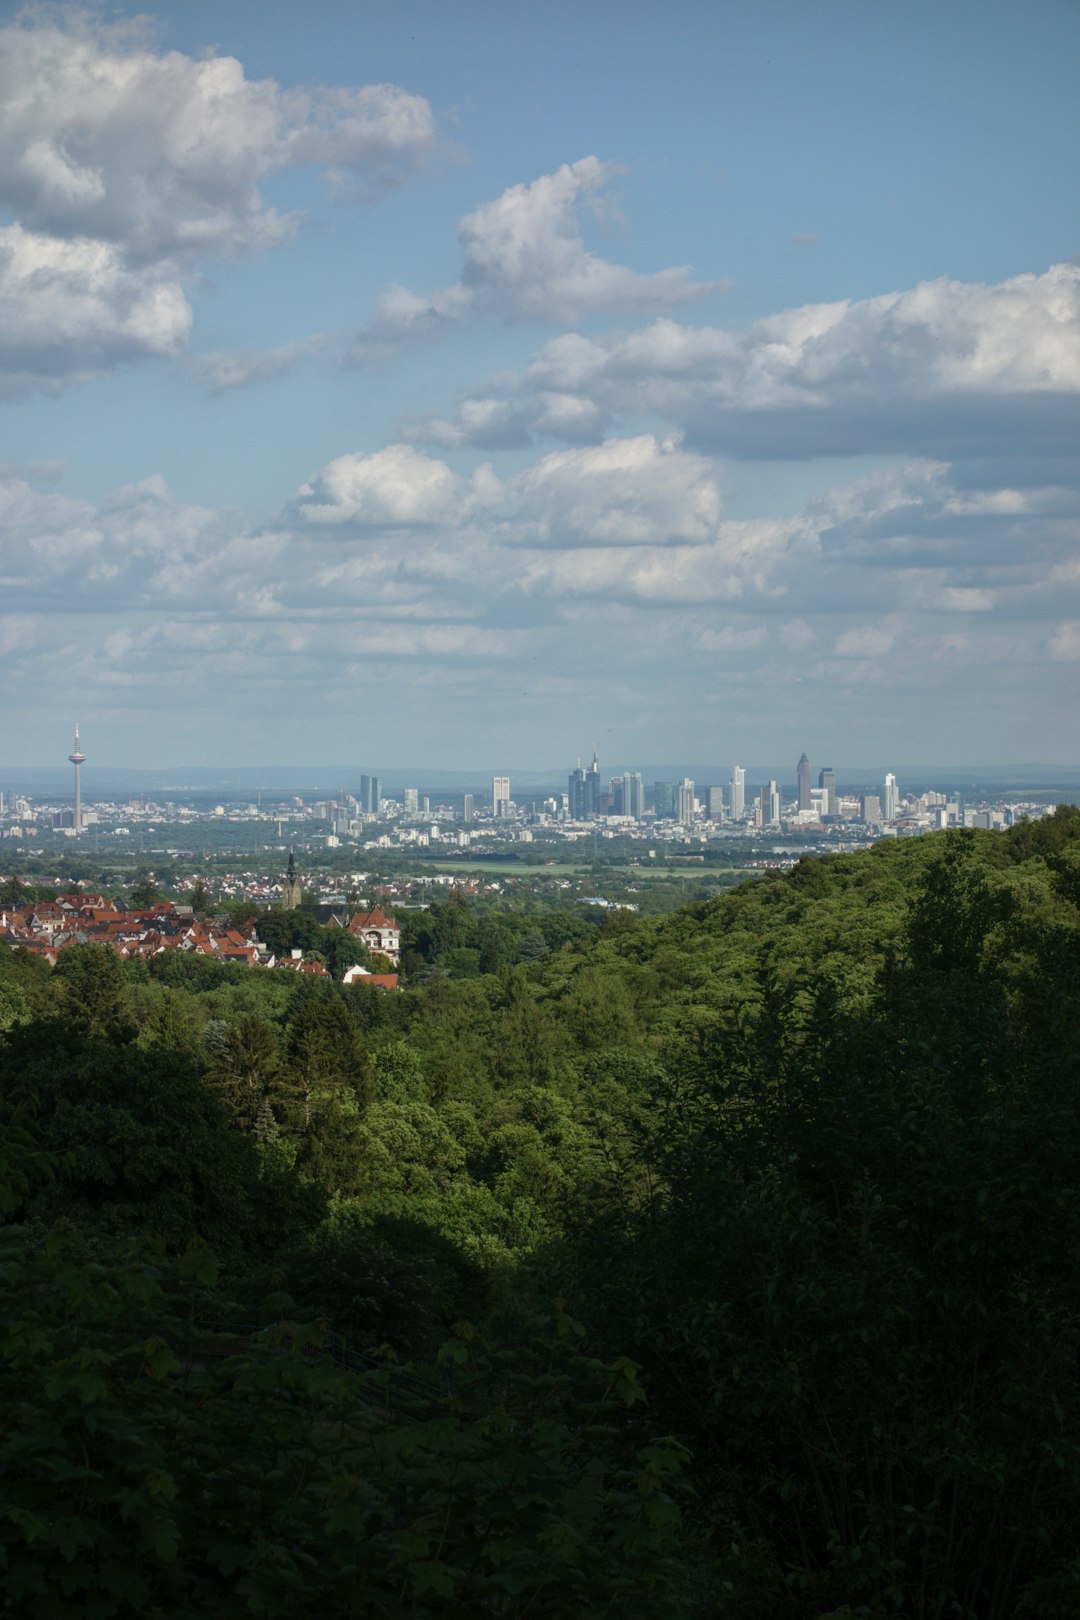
(459, 385)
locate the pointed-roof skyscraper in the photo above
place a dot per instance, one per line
(802, 771)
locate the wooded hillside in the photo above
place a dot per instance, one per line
(726, 1262)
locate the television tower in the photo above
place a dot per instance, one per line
(77, 758)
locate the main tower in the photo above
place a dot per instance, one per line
(78, 759)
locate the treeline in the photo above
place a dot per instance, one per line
(797, 1165)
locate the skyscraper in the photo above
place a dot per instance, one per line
(890, 799)
(738, 792)
(78, 759)
(370, 794)
(592, 786)
(772, 806)
(500, 796)
(716, 804)
(584, 790)
(633, 795)
(685, 807)
(576, 793)
(803, 773)
(467, 807)
(664, 800)
(827, 781)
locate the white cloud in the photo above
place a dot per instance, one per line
(525, 258)
(954, 367)
(162, 154)
(391, 487)
(640, 491)
(124, 168)
(70, 309)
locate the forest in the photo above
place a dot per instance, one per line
(717, 1263)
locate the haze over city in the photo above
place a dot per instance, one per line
(463, 386)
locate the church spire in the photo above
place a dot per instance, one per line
(291, 892)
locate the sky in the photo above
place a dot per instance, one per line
(469, 385)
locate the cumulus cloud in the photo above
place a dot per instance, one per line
(125, 167)
(945, 368)
(70, 309)
(398, 486)
(525, 258)
(640, 491)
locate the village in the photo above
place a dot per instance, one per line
(45, 928)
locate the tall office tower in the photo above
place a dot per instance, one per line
(773, 804)
(78, 759)
(616, 795)
(468, 807)
(716, 804)
(803, 772)
(633, 796)
(412, 801)
(891, 798)
(685, 806)
(576, 793)
(827, 781)
(664, 800)
(592, 786)
(500, 796)
(871, 809)
(370, 795)
(738, 792)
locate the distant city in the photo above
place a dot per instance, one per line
(818, 804)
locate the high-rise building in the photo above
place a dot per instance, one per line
(716, 804)
(890, 798)
(370, 795)
(871, 809)
(584, 790)
(664, 800)
(633, 795)
(685, 805)
(78, 759)
(802, 771)
(500, 796)
(738, 792)
(592, 787)
(576, 793)
(468, 807)
(827, 782)
(772, 806)
(412, 801)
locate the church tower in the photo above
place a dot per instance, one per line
(290, 889)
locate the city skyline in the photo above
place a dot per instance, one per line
(398, 386)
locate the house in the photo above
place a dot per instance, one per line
(378, 932)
